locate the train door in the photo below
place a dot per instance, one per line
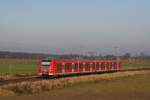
(76, 67)
(103, 66)
(83, 66)
(100, 66)
(63, 68)
(58, 68)
(119, 65)
(72, 66)
(91, 67)
(97, 66)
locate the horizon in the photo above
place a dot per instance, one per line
(83, 54)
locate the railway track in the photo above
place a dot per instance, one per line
(36, 78)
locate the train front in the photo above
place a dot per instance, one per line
(44, 68)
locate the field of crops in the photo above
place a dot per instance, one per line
(29, 66)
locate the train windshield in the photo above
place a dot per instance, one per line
(46, 64)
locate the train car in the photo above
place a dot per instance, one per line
(58, 67)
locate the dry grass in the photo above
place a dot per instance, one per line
(46, 85)
(5, 92)
(7, 77)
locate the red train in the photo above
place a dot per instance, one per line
(54, 67)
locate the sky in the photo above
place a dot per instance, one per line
(75, 26)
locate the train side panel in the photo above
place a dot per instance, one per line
(58, 67)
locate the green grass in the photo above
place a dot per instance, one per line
(18, 66)
(136, 63)
(18, 69)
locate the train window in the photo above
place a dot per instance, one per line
(103, 65)
(87, 66)
(76, 67)
(111, 64)
(81, 66)
(97, 66)
(45, 64)
(107, 64)
(45, 60)
(92, 65)
(68, 67)
(114, 65)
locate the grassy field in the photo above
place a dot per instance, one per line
(29, 66)
(136, 63)
(123, 87)
(18, 66)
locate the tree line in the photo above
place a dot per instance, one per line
(24, 55)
